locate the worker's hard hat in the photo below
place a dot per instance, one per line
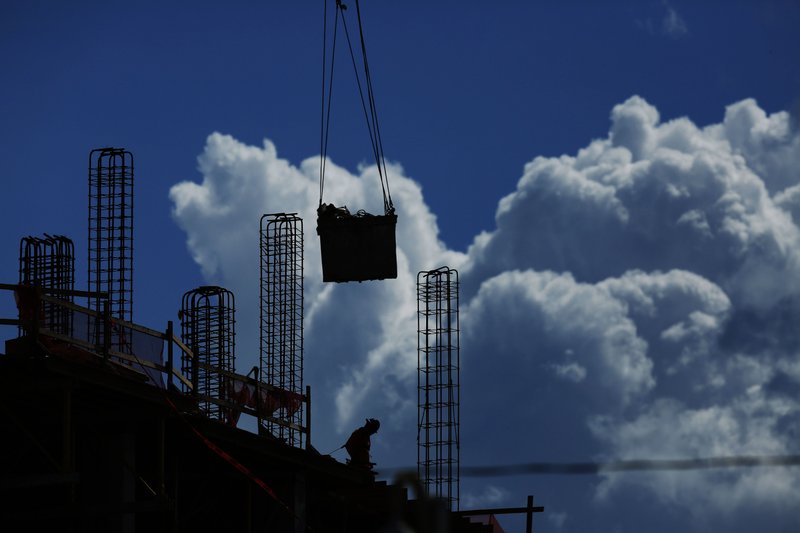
(372, 424)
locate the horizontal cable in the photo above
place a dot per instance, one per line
(634, 465)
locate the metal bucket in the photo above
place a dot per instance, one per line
(357, 247)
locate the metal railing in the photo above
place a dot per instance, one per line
(144, 353)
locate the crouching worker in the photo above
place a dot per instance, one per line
(358, 444)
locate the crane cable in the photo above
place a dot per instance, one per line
(326, 109)
(371, 115)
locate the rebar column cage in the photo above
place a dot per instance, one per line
(438, 360)
(49, 263)
(208, 329)
(281, 302)
(111, 236)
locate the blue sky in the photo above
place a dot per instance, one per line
(692, 299)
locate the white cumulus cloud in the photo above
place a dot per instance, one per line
(638, 299)
(360, 353)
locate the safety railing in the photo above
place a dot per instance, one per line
(89, 334)
(250, 396)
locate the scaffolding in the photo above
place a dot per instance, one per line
(208, 328)
(438, 360)
(281, 303)
(49, 263)
(111, 236)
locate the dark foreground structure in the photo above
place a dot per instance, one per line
(93, 445)
(110, 426)
(99, 440)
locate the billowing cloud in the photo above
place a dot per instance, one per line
(638, 299)
(749, 424)
(769, 143)
(360, 355)
(671, 314)
(654, 196)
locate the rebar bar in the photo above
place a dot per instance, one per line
(111, 236)
(208, 328)
(438, 387)
(281, 312)
(49, 263)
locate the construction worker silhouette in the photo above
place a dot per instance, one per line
(358, 444)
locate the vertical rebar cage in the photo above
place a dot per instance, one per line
(49, 263)
(281, 297)
(111, 236)
(208, 328)
(438, 360)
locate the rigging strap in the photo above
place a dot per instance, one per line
(368, 106)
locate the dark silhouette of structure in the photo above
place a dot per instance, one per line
(358, 247)
(281, 310)
(208, 328)
(438, 392)
(93, 443)
(49, 263)
(111, 240)
(103, 432)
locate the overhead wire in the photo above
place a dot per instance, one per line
(630, 465)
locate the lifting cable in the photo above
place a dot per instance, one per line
(370, 115)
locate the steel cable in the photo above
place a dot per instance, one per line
(628, 465)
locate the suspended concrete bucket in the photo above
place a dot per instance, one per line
(356, 247)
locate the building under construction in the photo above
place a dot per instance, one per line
(111, 426)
